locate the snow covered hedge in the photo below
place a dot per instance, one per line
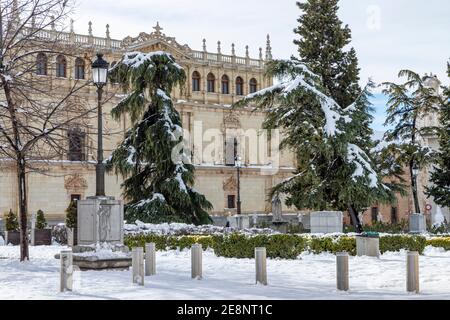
(285, 246)
(185, 229)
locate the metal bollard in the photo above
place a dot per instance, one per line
(261, 266)
(412, 272)
(137, 264)
(196, 261)
(150, 259)
(342, 271)
(66, 271)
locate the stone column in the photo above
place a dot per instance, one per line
(66, 271)
(342, 271)
(138, 265)
(150, 259)
(196, 261)
(412, 272)
(261, 266)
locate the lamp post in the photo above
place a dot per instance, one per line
(99, 78)
(415, 173)
(238, 164)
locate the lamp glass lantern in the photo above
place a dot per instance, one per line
(100, 71)
(416, 170)
(238, 162)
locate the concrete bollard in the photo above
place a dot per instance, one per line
(66, 271)
(137, 264)
(70, 237)
(412, 272)
(196, 261)
(261, 266)
(342, 271)
(33, 228)
(150, 259)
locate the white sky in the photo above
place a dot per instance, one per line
(388, 35)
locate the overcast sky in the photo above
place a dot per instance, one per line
(388, 35)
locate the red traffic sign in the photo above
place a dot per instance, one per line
(429, 207)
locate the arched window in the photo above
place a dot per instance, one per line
(196, 81)
(61, 66)
(79, 68)
(41, 64)
(239, 86)
(253, 85)
(225, 84)
(76, 145)
(211, 82)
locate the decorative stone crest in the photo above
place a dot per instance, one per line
(231, 121)
(230, 184)
(75, 183)
(144, 37)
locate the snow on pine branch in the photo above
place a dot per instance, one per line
(358, 157)
(136, 59)
(331, 109)
(156, 197)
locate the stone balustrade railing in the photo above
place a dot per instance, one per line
(89, 41)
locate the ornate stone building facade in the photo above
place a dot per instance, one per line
(214, 133)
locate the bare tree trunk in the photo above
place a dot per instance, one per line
(355, 219)
(21, 179)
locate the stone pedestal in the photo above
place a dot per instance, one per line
(326, 222)
(417, 223)
(368, 246)
(239, 222)
(100, 219)
(280, 226)
(305, 220)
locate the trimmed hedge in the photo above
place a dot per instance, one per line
(442, 242)
(284, 246)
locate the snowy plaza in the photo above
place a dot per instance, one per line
(309, 277)
(272, 150)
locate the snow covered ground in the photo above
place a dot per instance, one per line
(309, 277)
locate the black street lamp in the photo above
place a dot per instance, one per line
(415, 173)
(238, 164)
(99, 77)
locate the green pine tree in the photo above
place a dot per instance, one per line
(41, 223)
(334, 171)
(11, 223)
(325, 168)
(321, 47)
(407, 103)
(71, 215)
(159, 177)
(440, 177)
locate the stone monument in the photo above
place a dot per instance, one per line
(368, 244)
(278, 223)
(100, 235)
(239, 222)
(326, 222)
(417, 223)
(100, 220)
